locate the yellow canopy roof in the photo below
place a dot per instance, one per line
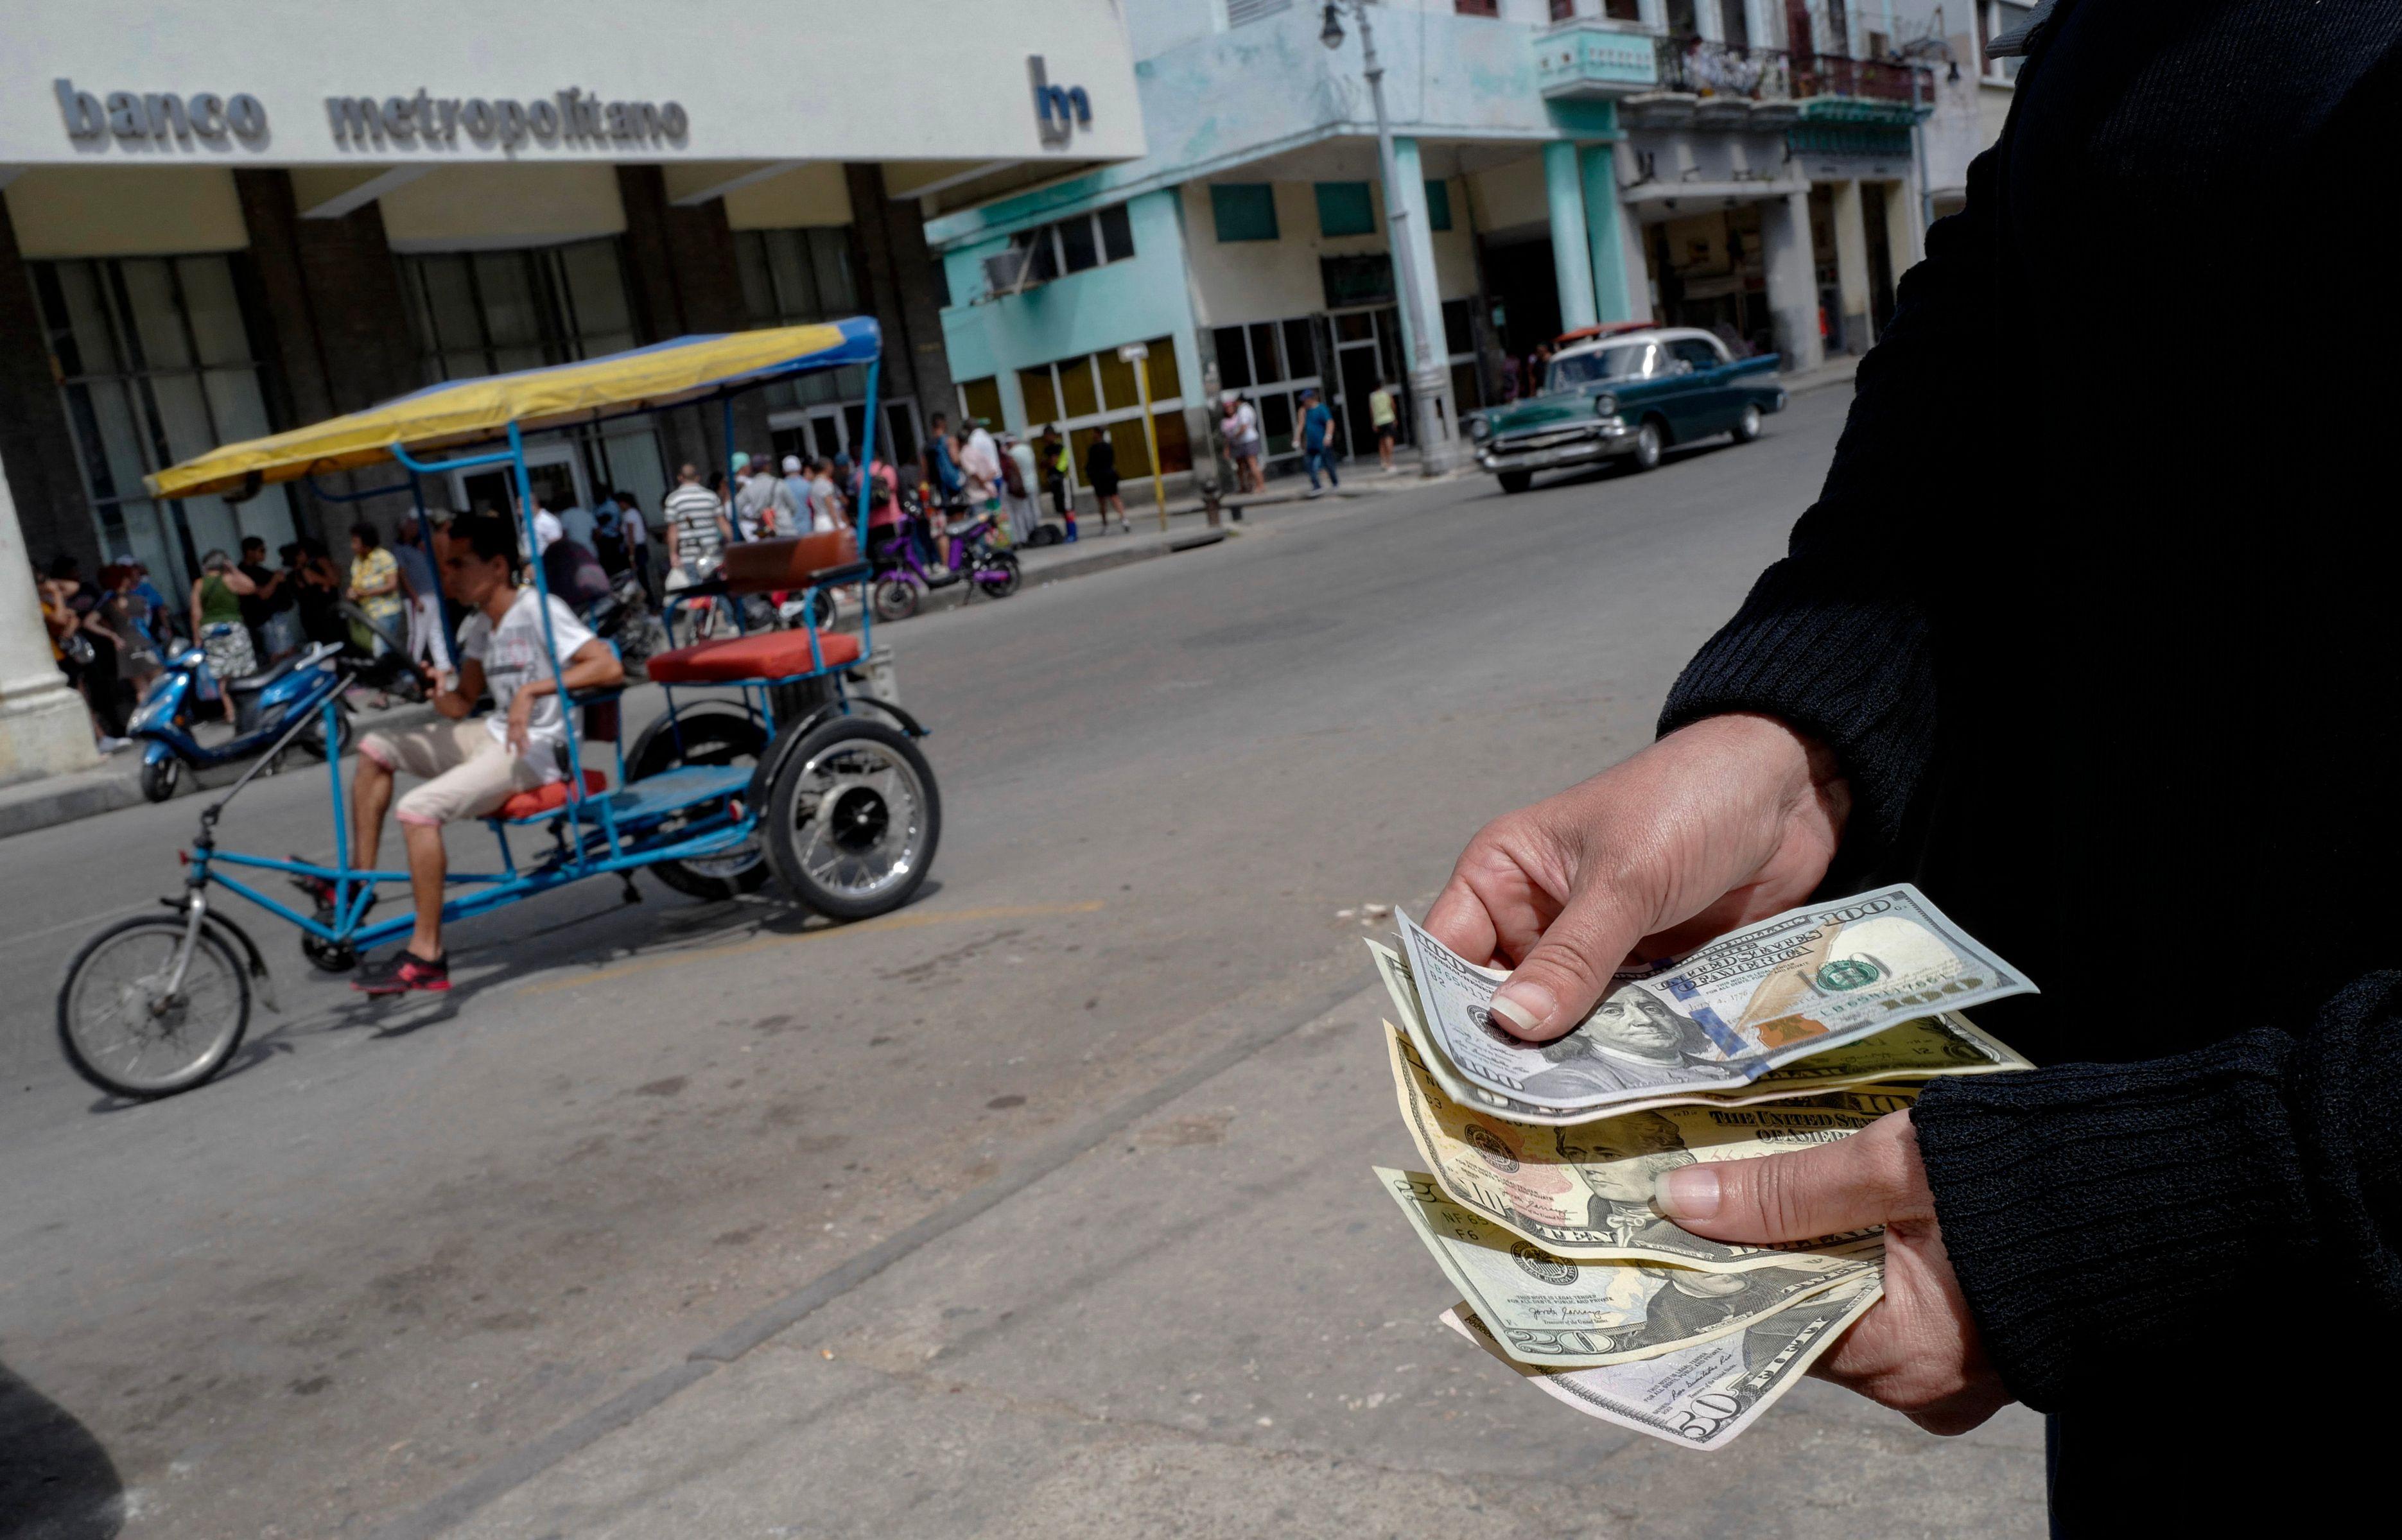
(470, 411)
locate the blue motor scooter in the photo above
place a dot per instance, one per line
(262, 706)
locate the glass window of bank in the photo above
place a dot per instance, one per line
(794, 278)
(1093, 395)
(157, 361)
(476, 313)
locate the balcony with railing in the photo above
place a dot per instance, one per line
(1594, 58)
(1727, 85)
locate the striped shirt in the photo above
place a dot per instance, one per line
(691, 512)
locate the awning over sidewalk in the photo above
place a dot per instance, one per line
(468, 411)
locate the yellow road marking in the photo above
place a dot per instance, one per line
(762, 943)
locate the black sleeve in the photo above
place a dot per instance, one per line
(1833, 639)
(2103, 1215)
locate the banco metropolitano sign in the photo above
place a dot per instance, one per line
(567, 118)
(573, 118)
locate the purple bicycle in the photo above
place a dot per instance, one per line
(904, 574)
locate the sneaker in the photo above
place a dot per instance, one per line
(402, 971)
(110, 746)
(321, 892)
(1317, 491)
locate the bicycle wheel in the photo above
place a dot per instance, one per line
(1001, 575)
(121, 1030)
(852, 818)
(704, 736)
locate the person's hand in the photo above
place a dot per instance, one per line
(1718, 824)
(1917, 1349)
(520, 718)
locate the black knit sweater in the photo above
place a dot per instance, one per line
(2097, 610)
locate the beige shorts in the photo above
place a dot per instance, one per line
(467, 772)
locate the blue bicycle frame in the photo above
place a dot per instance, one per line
(615, 832)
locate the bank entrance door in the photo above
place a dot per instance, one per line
(1367, 352)
(556, 470)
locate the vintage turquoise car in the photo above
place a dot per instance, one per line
(1629, 395)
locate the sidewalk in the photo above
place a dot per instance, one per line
(116, 781)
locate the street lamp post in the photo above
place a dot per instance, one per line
(1429, 381)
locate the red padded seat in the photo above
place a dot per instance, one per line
(543, 799)
(762, 655)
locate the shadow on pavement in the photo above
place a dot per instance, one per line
(56, 1482)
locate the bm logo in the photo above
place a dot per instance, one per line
(1059, 111)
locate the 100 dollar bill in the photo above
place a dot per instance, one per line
(1918, 1049)
(1787, 988)
(1585, 1192)
(1701, 1397)
(1546, 1309)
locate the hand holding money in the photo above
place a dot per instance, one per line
(1715, 826)
(1916, 1349)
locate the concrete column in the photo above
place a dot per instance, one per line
(1571, 247)
(44, 729)
(1435, 416)
(1852, 265)
(37, 451)
(1409, 172)
(1792, 280)
(1904, 240)
(1603, 219)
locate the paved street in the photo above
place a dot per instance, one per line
(1039, 1208)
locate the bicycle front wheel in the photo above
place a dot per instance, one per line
(125, 1033)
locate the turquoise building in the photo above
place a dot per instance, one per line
(1565, 162)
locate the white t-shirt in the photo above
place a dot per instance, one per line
(1247, 428)
(512, 653)
(546, 529)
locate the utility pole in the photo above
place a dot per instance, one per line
(1429, 379)
(1138, 355)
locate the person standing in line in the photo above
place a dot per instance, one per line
(697, 524)
(942, 462)
(127, 616)
(748, 504)
(216, 624)
(317, 592)
(374, 587)
(608, 531)
(577, 525)
(259, 605)
(1020, 476)
(634, 534)
(1101, 475)
(546, 526)
(427, 645)
(1053, 455)
(1384, 415)
(823, 500)
(797, 484)
(980, 459)
(1317, 441)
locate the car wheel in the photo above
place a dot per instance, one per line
(1516, 481)
(1746, 427)
(1649, 441)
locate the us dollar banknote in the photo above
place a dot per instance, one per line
(1700, 1397)
(1723, 1015)
(1919, 1049)
(1584, 1191)
(1546, 1309)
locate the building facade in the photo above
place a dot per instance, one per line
(225, 222)
(1744, 165)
